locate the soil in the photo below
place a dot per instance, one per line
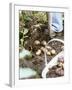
(37, 62)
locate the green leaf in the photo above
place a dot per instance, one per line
(25, 36)
(25, 31)
(25, 54)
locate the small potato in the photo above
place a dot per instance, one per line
(44, 42)
(38, 52)
(43, 49)
(60, 64)
(37, 42)
(48, 53)
(59, 71)
(53, 52)
(48, 47)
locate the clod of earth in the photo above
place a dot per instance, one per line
(60, 64)
(44, 43)
(48, 47)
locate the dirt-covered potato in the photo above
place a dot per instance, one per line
(53, 52)
(43, 49)
(44, 42)
(38, 52)
(48, 47)
(59, 71)
(37, 42)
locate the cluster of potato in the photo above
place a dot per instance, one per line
(58, 69)
(44, 48)
(60, 64)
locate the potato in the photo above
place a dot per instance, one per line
(59, 71)
(53, 52)
(60, 64)
(44, 42)
(48, 53)
(37, 42)
(43, 49)
(38, 52)
(48, 47)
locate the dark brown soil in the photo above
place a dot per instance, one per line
(38, 62)
(55, 71)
